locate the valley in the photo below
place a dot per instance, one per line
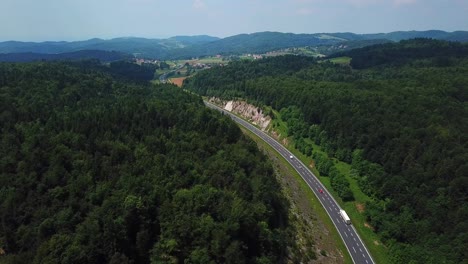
(254, 148)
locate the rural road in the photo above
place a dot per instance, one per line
(163, 77)
(353, 242)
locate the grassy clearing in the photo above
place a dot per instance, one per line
(212, 60)
(312, 199)
(172, 64)
(207, 60)
(341, 60)
(245, 57)
(309, 52)
(278, 125)
(160, 72)
(179, 73)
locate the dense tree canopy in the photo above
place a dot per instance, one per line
(94, 170)
(441, 53)
(401, 125)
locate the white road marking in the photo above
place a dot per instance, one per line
(286, 155)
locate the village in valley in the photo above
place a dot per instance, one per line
(176, 71)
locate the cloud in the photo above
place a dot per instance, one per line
(198, 4)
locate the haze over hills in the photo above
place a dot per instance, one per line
(196, 46)
(152, 48)
(102, 55)
(268, 41)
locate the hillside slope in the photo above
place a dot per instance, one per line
(401, 126)
(95, 170)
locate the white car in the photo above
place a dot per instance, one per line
(291, 157)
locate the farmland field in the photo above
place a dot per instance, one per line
(177, 81)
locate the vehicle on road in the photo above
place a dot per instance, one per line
(345, 217)
(321, 190)
(350, 237)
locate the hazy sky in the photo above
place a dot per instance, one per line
(39, 20)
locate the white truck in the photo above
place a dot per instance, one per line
(345, 217)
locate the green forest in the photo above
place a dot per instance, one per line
(98, 168)
(398, 114)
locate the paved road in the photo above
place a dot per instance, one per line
(353, 242)
(163, 77)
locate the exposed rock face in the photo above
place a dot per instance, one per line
(250, 112)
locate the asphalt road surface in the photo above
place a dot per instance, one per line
(353, 242)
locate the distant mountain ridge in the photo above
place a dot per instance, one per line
(196, 46)
(268, 41)
(461, 36)
(143, 47)
(252, 43)
(102, 55)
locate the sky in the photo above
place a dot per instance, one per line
(71, 20)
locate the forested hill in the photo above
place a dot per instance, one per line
(142, 47)
(94, 170)
(101, 55)
(262, 42)
(402, 127)
(439, 53)
(187, 47)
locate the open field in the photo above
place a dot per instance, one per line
(212, 60)
(177, 81)
(341, 60)
(207, 60)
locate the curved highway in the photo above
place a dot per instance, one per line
(353, 242)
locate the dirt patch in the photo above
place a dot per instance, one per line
(360, 207)
(274, 134)
(285, 142)
(2, 252)
(376, 243)
(178, 81)
(369, 226)
(312, 164)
